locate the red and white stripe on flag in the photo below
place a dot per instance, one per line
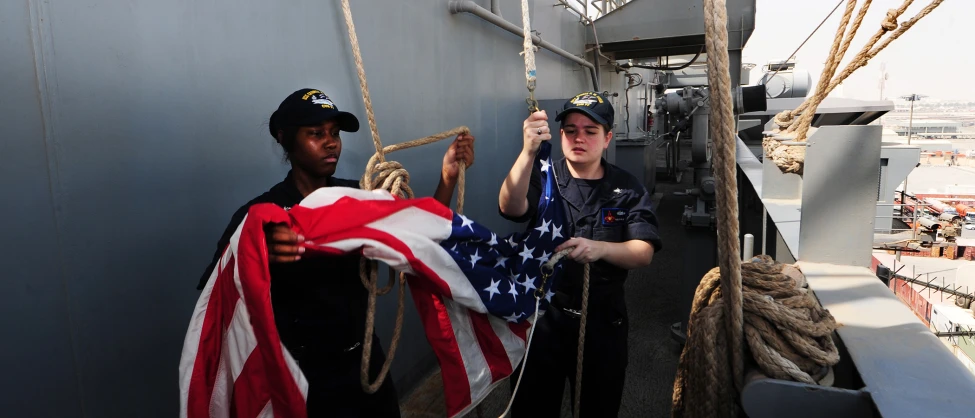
(233, 363)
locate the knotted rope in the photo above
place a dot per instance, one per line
(704, 380)
(529, 53)
(392, 177)
(790, 158)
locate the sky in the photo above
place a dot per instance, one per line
(936, 57)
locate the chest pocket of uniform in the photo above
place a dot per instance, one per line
(608, 233)
(609, 226)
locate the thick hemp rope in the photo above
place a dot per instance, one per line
(790, 158)
(392, 177)
(788, 333)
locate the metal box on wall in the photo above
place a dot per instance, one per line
(639, 158)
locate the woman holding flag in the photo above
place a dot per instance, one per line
(613, 227)
(320, 303)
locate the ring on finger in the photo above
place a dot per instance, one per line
(539, 131)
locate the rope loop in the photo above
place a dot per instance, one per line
(784, 119)
(788, 122)
(392, 177)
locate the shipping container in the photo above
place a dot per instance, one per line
(910, 297)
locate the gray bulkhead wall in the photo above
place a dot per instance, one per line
(133, 129)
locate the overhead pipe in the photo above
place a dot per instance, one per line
(496, 7)
(468, 6)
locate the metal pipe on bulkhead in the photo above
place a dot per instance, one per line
(496, 7)
(468, 6)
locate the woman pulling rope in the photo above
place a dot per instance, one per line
(614, 230)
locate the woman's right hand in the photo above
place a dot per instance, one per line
(535, 131)
(283, 244)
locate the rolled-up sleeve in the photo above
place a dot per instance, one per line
(534, 194)
(641, 222)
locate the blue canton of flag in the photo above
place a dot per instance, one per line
(506, 271)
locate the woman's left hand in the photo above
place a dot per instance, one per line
(586, 251)
(460, 151)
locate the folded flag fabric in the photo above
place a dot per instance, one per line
(475, 293)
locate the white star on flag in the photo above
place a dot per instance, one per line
(529, 283)
(513, 291)
(526, 254)
(492, 289)
(556, 232)
(466, 222)
(544, 258)
(494, 239)
(513, 317)
(545, 165)
(543, 228)
(474, 259)
(501, 261)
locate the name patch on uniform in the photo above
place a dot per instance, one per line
(613, 216)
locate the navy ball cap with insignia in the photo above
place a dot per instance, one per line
(594, 105)
(309, 107)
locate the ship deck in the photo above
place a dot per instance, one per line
(652, 302)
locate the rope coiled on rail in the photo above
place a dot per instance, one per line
(787, 331)
(796, 124)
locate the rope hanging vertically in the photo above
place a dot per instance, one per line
(529, 54)
(722, 127)
(795, 124)
(392, 177)
(762, 302)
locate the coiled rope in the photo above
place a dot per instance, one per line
(763, 302)
(790, 158)
(392, 177)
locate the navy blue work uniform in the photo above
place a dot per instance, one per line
(615, 208)
(319, 308)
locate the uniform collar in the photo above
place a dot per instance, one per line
(564, 176)
(570, 191)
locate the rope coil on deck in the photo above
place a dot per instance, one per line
(796, 124)
(788, 334)
(392, 177)
(762, 302)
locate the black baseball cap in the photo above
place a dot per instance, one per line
(308, 107)
(593, 104)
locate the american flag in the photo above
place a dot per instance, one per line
(475, 293)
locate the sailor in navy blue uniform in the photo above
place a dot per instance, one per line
(614, 228)
(319, 303)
